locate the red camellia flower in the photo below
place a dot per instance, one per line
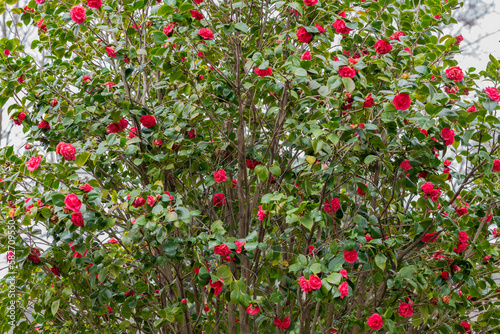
(430, 237)
(10, 256)
(405, 310)
(253, 309)
(133, 132)
(217, 286)
(455, 73)
(94, 3)
(33, 163)
(304, 36)
(197, 15)
(41, 26)
(206, 33)
(158, 142)
(139, 201)
(66, 150)
(461, 211)
(110, 51)
(347, 72)
(310, 2)
(240, 245)
(219, 200)
(496, 165)
(34, 255)
(466, 326)
(113, 241)
(320, 28)
(492, 93)
(304, 284)
(448, 136)
(306, 55)
(350, 256)
(445, 274)
(263, 73)
(77, 218)
(151, 200)
(383, 47)
(402, 101)
(460, 247)
(251, 163)
(220, 176)
(6, 52)
(78, 14)
(344, 290)
(369, 101)
(331, 206)
(340, 27)
(222, 250)
(315, 282)
(55, 271)
(375, 321)
(148, 121)
(462, 236)
(396, 35)
(44, 125)
(261, 213)
(360, 192)
(405, 165)
(72, 202)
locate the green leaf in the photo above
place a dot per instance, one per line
(241, 27)
(131, 149)
(370, 158)
(317, 145)
(128, 72)
(160, 37)
(380, 261)
(324, 90)
(316, 268)
(275, 170)
(334, 278)
(81, 158)
(348, 84)
(55, 307)
(300, 72)
(58, 199)
(306, 221)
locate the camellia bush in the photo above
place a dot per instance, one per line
(248, 167)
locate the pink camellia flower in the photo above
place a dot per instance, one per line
(169, 29)
(253, 309)
(78, 14)
(347, 72)
(219, 200)
(405, 310)
(492, 93)
(138, 202)
(33, 163)
(158, 142)
(113, 241)
(220, 176)
(148, 121)
(72, 202)
(310, 2)
(261, 214)
(306, 55)
(331, 206)
(110, 51)
(396, 35)
(405, 165)
(343, 272)
(41, 26)
(496, 165)
(86, 79)
(235, 183)
(402, 101)
(303, 35)
(94, 4)
(350, 256)
(340, 27)
(448, 136)
(344, 290)
(184, 301)
(462, 236)
(305, 285)
(109, 84)
(375, 321)
(151, 200)
(86, 187)
(206, 33)
(240, 245)
(455, 73)
(77, 218)
(263, 73)
(10, 256)
(197, 15)
(383, 47)
(315, 282)
(66, 150)
(217, 286)
(320, 28)
(222, 250)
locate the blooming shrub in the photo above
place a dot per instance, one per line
(223, 167)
